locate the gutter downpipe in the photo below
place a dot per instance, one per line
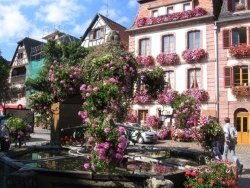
(216, 70)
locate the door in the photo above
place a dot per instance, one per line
(242, 126)
(142, 116)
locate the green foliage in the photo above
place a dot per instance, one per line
(4, 75)
(211, 131)
(154, 81)
(16, 127)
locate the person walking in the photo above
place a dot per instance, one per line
(229, 145)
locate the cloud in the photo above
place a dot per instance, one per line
(132, 3)
(81, 28)
(13, 23)
(59, 11)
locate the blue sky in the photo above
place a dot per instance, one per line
(38, 18)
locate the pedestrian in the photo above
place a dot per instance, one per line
(229, 144)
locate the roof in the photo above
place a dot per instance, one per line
(113, 26)
(28, 43)
(61, 36)
(226, 15)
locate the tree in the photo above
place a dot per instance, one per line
(4, 84)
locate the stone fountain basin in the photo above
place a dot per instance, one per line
(18, 170)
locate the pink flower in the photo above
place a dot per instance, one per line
(107, 130)
(86, 165)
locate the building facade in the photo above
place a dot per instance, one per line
(185, 28)
(233, 43)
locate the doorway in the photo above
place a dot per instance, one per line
(142, 115)
(242, 126)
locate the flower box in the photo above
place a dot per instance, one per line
(145, 60)
(142, 97)
(242, 50)
(194, 55)
(241, 91)
(198, 94)
(167, 58)
(196, 12)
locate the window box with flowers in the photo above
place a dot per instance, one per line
(242, 50)
(241, 91)
(145, 60)
(194, 55)
(196, 12)
(199, 94)
(142, 97)
(167, 58)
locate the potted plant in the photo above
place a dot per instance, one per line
(198, 94)
(145, 60)
(193, 55)
(142, 97)
(241, 91)
(242, 50)
(167, 58)
(240, 6)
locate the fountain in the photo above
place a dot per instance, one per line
(55, 166)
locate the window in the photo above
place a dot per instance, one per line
(142, 86)
(235, 76)
(194, 78)
(235, 36)
(239, 36)
(20, 56)
(155, 13)
(19, 71)
(144, 47)
(186, 6)
(236, 5)
(194, 38)
(97, 33)
(169, 79)
(170, 10)
(168, 45)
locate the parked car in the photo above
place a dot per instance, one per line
(137, 134)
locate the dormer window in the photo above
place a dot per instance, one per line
(97, 33)
(155, 13)
(170, 10)
(186, 6)
(238, 5)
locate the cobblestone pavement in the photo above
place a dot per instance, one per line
(42, 136)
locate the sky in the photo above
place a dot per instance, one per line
(38, 18)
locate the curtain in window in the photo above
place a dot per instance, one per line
(194, 78)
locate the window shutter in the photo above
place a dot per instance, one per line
(91, 35)
(102, 32)
(248, 33)
(228, 77)
(248, 4)
(230, 5)
(226, 39)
